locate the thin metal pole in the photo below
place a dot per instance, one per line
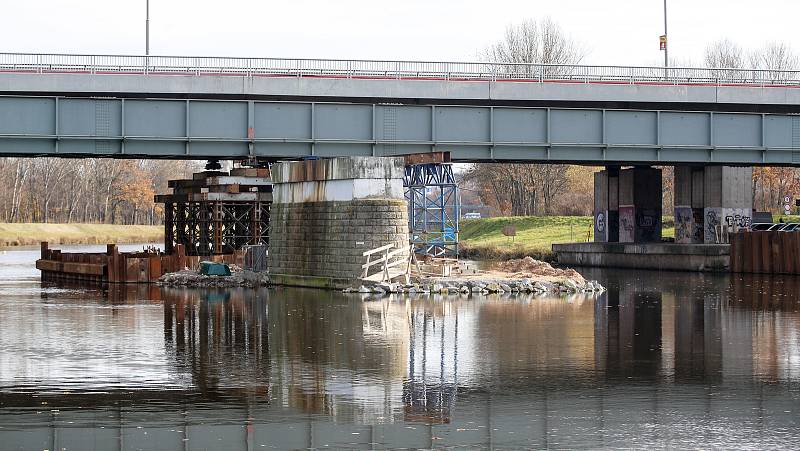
(666, 40)
(147, 28)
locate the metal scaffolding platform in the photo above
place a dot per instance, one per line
(433, 208)
(218, 212)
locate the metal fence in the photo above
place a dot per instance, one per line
(255, 257)
(436, 70)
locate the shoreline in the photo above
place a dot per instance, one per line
(21, 235)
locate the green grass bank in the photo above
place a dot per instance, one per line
(27, 234)
(483, 239)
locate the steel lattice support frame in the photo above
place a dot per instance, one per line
(209, 227)
(433, 209)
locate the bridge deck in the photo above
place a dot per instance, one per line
(180, 107)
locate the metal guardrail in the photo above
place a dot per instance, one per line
(441, 70)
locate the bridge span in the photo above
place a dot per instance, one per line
(233, 108)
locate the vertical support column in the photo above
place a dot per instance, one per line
(727, 201)
(432, 195)
(169, 227)
(613, 204)
(640, 196)
(688, 204)
(601, 207)
(606, 205)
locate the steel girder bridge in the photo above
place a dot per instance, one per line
(239, 108)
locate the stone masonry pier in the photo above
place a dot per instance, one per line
(326, 213)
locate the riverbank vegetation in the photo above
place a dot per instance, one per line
(102, 190)
(27, 234)
(483, 239)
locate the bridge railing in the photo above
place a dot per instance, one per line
(438, 70)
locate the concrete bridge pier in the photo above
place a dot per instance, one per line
(710, 201)
(327, 213)
(628, 205)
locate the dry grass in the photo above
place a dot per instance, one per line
(27, 234)
(482, 239)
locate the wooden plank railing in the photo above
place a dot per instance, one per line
(393, 263)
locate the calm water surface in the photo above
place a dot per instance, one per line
(661, 360)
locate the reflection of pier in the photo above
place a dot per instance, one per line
(300, 369)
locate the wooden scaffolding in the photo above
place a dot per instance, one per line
(218, 212)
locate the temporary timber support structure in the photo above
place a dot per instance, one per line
(218, 213)
(433, 208)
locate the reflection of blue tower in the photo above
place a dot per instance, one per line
(433, 208)
(430, 399)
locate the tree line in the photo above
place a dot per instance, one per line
(63, 190)
(552, 189)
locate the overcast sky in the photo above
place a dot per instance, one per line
(612, 31)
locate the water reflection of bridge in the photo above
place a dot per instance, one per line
(305, 369)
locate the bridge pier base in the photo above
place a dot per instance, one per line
(711, 201)
(327, 213)
(628, 205)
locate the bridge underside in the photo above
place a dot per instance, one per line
(271, 130)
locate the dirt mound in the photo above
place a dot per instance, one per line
(535, 267)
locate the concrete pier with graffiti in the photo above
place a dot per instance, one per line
(710, 202)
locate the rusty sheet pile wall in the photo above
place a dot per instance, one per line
(765, 252)
(114, 267)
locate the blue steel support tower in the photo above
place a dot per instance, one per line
(433, 209)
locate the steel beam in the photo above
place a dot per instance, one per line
(238, 129)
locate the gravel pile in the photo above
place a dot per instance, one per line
(189, 278)
(484, 287)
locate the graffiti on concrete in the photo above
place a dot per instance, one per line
(684, 219)
(697, 225)
(627, 224)
(738, 221)
(712, 221)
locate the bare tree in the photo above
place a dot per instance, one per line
(534, 42)
(528, 189)
(774, 60)
(89, 190)
(727, 59)
(724, 54)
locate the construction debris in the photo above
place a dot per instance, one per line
(483, 287)
(533, 267)
(238, 278)
(525, 275)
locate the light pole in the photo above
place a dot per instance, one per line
(666, 42)
(147, 28)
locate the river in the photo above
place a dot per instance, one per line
(664, 359)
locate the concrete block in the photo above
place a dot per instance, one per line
(341, 168)
(627, 224)
(737, 187)
(685, 226)
(683, 185)
(698, 177)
